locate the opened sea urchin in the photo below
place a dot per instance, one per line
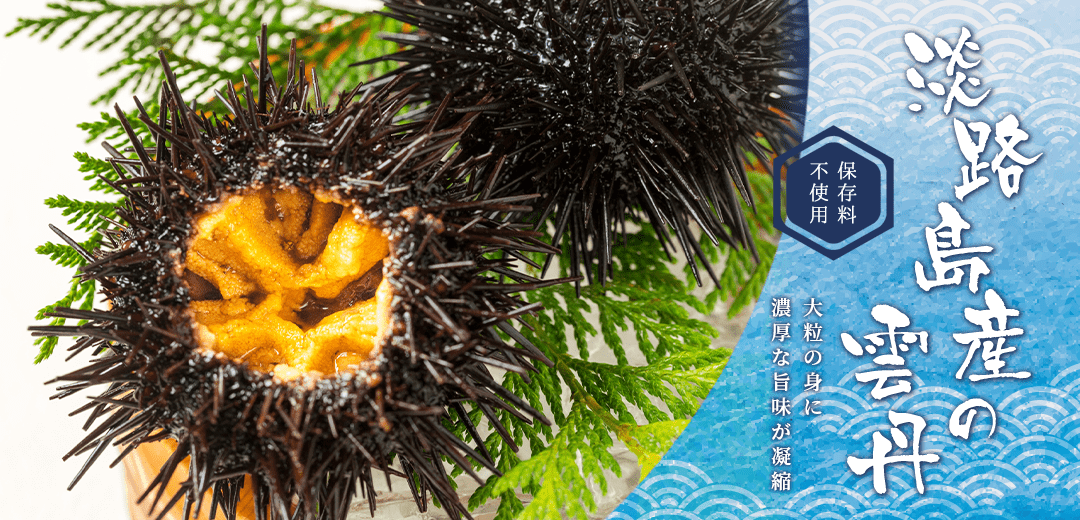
(294, 300)
(609, 107)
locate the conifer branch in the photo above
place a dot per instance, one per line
(329, 38)
(649, 297)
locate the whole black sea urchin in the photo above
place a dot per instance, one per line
(607, 107)
(294, 298)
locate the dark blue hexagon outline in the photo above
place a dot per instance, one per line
(779, 199)
(865, 228)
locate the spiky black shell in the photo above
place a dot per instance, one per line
(611, 106)
(310, 444)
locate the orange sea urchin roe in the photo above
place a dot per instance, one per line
(287, 282)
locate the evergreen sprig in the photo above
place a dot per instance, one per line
(556, 476)
(646, 299)
(742, 276)
(88, 216)
(595, 398)
(83, 215)
(80, 293)
(649, 300)
(328, 38)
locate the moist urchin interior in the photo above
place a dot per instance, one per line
(611, 107)
(288, 281)
(309, 441)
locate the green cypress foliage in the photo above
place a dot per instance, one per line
(610, 400)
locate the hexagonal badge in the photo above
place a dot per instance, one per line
(839, 193)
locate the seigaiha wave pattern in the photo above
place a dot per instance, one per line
(721, 467)
(858, 61)
(1031, 459)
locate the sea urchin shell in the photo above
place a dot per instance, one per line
(609, 107)
(307, 438)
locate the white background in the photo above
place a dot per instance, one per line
(44, 93)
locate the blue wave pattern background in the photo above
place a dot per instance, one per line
(1030, 468)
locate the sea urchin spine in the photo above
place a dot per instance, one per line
(610, 108)
(307, 440)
